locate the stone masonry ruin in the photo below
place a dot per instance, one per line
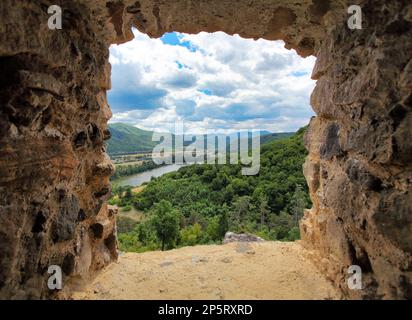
(54, 170)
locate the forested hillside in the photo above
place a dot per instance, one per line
(126, 138)
(199, 203)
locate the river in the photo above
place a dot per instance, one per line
(140, 178)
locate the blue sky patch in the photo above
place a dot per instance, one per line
(179, 65)
(299, 73)
(170, 38)
(205, 91)
(175, 39)
(142, 98)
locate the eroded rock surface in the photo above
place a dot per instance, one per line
(359, 167)
(54, 171)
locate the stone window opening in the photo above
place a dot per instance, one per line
(54, 113)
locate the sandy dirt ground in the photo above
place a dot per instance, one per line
(265, 270)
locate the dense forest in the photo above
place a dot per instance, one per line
(199, 203)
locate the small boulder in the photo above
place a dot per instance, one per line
(241, 237)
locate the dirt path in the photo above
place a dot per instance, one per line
(267, 270)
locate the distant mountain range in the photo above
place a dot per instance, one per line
(128, 139)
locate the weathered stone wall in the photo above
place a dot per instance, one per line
(54, 171)
(360, 165)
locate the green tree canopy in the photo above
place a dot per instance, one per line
(165, 220)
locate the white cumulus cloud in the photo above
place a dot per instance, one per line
(210, 81)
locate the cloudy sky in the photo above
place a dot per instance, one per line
(209, 81)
